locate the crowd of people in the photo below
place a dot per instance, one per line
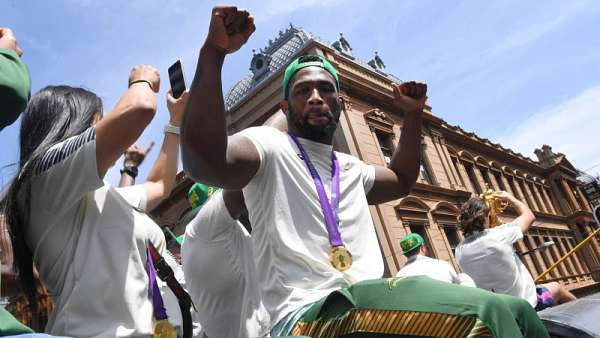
(284, 245)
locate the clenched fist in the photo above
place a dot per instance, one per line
(9, 41)
(146, 73)
(229, 29)
(410, 96)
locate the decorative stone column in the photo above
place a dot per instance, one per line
(478, 176)
(519, 190)
(492, 179)
(570, 196)
(538, 257)
(564, 204)
(507, 185)
(540, 199)
(584, 201)
(547, 199)
(530, 195)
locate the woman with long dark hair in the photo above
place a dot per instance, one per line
(86, 238)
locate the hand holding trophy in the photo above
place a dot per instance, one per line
(497, 202)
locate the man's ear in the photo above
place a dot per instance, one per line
(284, 105)
(342, 102)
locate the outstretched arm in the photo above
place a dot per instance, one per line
(208, 154)
(400, 176)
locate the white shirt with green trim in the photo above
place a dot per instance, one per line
(89, 246)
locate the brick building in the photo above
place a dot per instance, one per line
(455, 164)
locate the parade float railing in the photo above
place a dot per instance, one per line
(575, 249)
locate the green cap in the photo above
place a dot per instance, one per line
(199, 193)
(410, 242)
(179, 239)
(307, 61)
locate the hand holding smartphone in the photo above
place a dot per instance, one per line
(177, 79)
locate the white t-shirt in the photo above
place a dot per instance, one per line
(490, 259)
(420, 265)
(289, 236)
(218, 262)
(89, 246)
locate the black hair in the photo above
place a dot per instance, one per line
(472, 216)
(414, 251)
(53, 114)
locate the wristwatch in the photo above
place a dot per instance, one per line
(130, 170)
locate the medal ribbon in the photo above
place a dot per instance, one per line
(157, 302)
(328, 207)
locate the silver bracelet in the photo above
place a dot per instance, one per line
(169, 128)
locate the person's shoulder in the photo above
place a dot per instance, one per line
(266, 139)
(59, 152)
(262, 132)
(502, 229)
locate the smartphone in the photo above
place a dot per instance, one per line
(176, 79)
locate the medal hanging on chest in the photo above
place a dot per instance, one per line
(161, 327)
(339, 257)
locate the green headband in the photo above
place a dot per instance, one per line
(308, 61)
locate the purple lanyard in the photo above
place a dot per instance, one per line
(328, 207)
(157, 302)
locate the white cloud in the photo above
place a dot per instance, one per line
(572, 128)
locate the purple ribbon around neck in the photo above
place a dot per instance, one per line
(157, 302)
(329, 207)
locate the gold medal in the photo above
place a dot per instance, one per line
(164, 329)
(340, 258)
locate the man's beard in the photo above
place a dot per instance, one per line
(315, 133)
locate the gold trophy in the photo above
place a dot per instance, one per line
(495, 205)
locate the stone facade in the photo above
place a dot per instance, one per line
(455, 165)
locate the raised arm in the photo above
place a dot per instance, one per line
(133, 158)
(526, 216)
(208, 154)
(161, 178)
(126, 122)
(400, 176)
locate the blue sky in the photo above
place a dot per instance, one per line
(515, 72)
